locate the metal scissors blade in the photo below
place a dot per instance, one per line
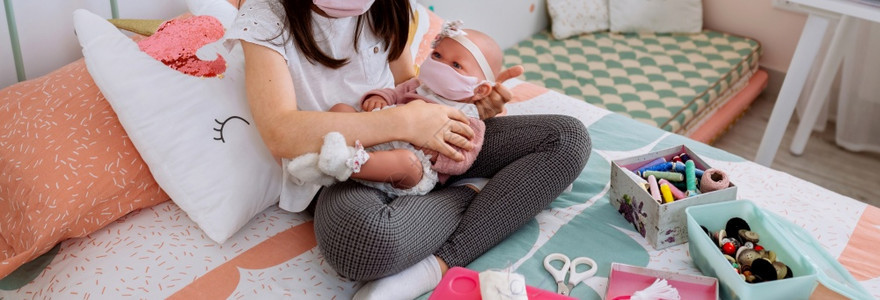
(562, 288)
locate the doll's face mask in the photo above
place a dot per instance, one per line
(443, 80)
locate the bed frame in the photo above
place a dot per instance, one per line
(14, 40)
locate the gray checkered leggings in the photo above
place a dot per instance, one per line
(365, 235)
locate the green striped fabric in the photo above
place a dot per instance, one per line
(663, 80)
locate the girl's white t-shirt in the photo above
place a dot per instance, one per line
(317, 87)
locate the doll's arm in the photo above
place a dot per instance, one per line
(379, 98)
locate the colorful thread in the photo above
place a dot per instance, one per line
(650, 164)
(666, 166)
(677, 194)
(691, 178)
(681, 168)
(714, 180)
(667, 194)
(671, 176)
(655, 192)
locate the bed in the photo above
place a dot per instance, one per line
(691, 84)
(159, 252)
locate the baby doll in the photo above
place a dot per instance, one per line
(460, 70)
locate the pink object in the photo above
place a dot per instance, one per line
(713, 180)
(343, 8)
(624, 280)
(446, 82)
(676, 193)
(464, 284)
(655, 189)
(445, 166)
(728, 113)
(176, 41)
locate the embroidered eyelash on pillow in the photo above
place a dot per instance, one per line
(191, 124)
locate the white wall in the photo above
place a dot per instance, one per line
(45, 29)
(507, 21)
(778, 30)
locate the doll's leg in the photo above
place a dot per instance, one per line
(400, 167)
(342, 107)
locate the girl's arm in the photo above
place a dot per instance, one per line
(403, 67)
(288, 132)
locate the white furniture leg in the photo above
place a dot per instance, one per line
(839, 45)
(801, 62)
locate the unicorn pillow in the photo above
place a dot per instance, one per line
(185, 111)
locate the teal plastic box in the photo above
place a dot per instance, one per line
(710, 261)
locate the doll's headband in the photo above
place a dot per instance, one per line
(453, 30)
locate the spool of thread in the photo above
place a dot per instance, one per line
(685, 157)
(677, 194)
(690, 176)
(680, 167)
(665, 167)
(714, 180)
(671, 176)
(635, 177)
(652, 163)
(676, 158)
(667, 194)
(655, 190)
(680, 185)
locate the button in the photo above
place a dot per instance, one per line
(375, 49)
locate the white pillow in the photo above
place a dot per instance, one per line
(575, 17)
(660, 16)
(172, 119)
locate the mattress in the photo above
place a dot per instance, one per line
(670, 81)
(158, 252)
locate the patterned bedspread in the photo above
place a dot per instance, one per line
(670, 81)
(158, 252)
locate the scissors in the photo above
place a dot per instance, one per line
(569, 267)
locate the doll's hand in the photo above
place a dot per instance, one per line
(374, 102)
(494, 103)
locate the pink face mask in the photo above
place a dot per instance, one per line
(446, 82)
(344, 8)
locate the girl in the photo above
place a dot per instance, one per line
(304, 56)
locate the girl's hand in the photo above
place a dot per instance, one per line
(436, 127)
(374, 102)
(494, 103)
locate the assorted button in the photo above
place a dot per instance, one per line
(739, 245)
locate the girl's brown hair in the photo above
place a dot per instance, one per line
(388, 19)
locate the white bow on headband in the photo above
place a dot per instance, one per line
(450, 29)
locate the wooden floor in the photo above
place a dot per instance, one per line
(852, 174)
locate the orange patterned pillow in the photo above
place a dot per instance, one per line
(67, 167)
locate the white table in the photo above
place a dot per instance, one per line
(821, 14)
